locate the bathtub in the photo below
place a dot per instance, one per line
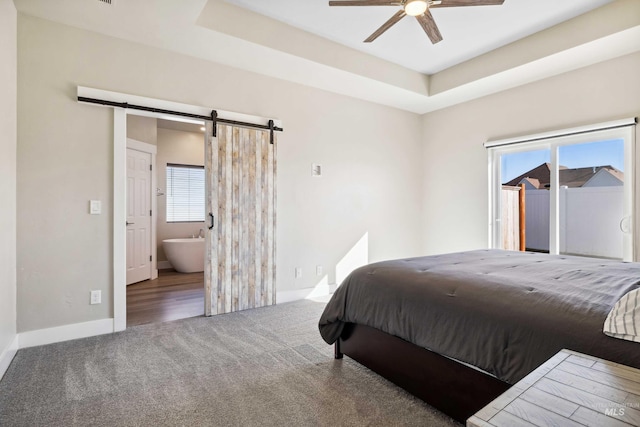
(185, 255)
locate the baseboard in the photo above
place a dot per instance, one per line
(163, 265)
(7, 356)
(298, 294)
(105, 326)
(65, 333)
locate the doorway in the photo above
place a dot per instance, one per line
(149, 107)
(165, 203)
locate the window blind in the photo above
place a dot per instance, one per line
(185, 193)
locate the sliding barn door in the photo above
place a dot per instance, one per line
(240, 266)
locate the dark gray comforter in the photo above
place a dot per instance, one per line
(503, 312)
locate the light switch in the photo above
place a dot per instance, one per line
(96, 297)
(316, 170)
(95, 207)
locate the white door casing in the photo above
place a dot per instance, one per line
(138, 216)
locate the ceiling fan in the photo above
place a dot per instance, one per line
(417, 8)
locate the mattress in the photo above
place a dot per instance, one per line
(503, 312)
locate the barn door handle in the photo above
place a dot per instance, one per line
(213, 220)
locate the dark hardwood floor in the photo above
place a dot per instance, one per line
(171, 296)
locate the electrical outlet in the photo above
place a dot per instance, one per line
(96, 297)
(318, 270)
(298, 272)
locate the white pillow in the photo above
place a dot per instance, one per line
(624, 319)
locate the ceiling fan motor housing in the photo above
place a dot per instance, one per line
(415, 7)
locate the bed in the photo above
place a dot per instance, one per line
(457, 330)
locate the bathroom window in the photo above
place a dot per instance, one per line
(185, 193)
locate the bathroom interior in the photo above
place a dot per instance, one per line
(174, 289)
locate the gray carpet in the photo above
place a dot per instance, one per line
(259, 367)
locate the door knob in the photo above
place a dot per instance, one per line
(130, 223)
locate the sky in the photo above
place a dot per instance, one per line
(572, 156)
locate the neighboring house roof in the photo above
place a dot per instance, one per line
(540, 176)
(531, 182)
(617, 173)
(606, 178)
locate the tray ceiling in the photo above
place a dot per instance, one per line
(467, 31)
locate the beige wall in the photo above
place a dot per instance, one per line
(143, 129)
(455, 162)
(411, 184)
(8, 117)
(371, 157)
(184, 148)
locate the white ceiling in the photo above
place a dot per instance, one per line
(180, 126)
(467, 31)
(328, 53)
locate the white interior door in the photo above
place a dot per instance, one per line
(138, 216)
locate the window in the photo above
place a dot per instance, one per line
(578, 192)
(185, 193)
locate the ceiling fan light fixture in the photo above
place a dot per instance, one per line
(415, 7)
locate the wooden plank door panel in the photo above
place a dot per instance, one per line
(240, 272)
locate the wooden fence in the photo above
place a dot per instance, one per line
(513, 218)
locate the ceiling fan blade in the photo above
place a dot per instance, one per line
(394, 19)
(366, 3)
(456, 3)
(429, 26)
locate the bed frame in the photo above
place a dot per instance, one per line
(449, 386)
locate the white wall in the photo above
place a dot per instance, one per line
(8, 117)
(455, 162)
(185, 148)
(371, 157)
